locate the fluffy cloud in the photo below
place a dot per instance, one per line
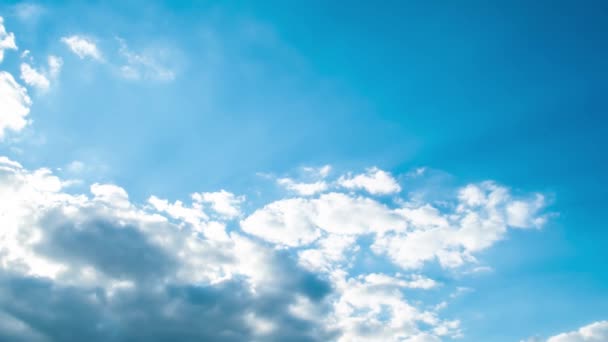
(101, 267)
(222, 202)
(304, 189)
(83, 47)
(7, 40)
(481, 216)
(410, 234)
(374, 308)
(594, 332)
(33, 77)
(15, 104)
(374, 181)
(314, 182)
(300, 221)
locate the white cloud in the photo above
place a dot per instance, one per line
(374, 308)
(7, 40)
(111, 195)
(329, 253)
(34, 78)
(594, 332)
(311, 183)
(41, 79)
(304, 189)
(83, 47)
(222, 202)
(15, 104)
(300, 221)
(410, 236)
(321, 172)
(177, 255)
(374, 181)
(285, 222)
(482, 216)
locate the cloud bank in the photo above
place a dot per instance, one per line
(97, 266)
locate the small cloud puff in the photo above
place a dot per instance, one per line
(83, 47)
(374, 181)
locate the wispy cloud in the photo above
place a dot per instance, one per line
(83, 47)
(142, 66)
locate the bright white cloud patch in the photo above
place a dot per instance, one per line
(7, 40)
(222, 202)
(33, 77)
(304, 189)
(374, 181)
(15, 104)
(594, 332)
(83, 47)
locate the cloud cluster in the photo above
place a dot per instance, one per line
(283, 271)
(15, 101)
(114, 267)
(98, 267)
(594, 332)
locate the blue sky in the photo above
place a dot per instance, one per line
(444, 160)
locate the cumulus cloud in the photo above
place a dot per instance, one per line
(410, 234)
(300, 221)
(7, 40)
(374, 181)
(83, 47)
(594, 332)
(481, 217)
(98, 266)
(222, 202)
(15, 104)
(374, 308)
